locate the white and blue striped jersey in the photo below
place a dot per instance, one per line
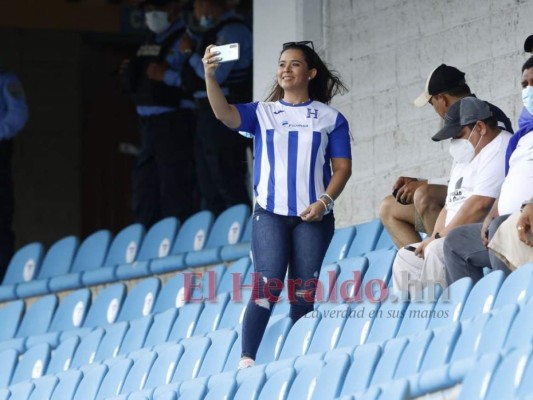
(293, 148)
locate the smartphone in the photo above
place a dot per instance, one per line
(410, 248)
(227, 52)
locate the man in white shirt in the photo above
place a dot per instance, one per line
(478, 147)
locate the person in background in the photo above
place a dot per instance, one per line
(164, 176)
(220, 155)
(13, 118)
(416, 203)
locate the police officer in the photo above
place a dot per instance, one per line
(163, 182)
(13, 118)
(220, 154)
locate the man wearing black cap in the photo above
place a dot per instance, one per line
(164, 177)
(478, 147)
(416, 203)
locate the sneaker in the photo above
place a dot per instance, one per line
(246, 363)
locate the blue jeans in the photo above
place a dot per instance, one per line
(280, 242)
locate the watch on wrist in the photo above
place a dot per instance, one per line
(525, 203)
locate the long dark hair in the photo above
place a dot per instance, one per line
(325, 85)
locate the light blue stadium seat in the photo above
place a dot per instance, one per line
(212, 312)
(210, 279)
(57, 261)
(227, 229)
(62, 356)
(4, 394)
(21, 391)
(138, 372)
(188, 393)
(300, 336)
(89, 386)
(359, 374)
(156, 244)
(23, 267)
(35, 322)
(521, 332)
(9, 359)
(69, 315)
(234, 356)
(67, 385)
(331, 378)
(164, 366)
(222, 386)
(86, 350)
(175, 292)
(44, 387)
(517, 287)
(328, 331)
(450, 303)
(340, 243)
(385, 241)
(304, 383)
(277, 386)
(217, 354)
(482, 295)
(476, 383)
(373, 393)
(413, 355)
(526, 386)
(377, 276)
(114, 379)
(32, 364)
(140, 300)
(417, 314)
(123, 250)
(193, 390)
(236, 271)
(11, 316)
(389, 361)
(327, 278)
(509, 375)
(366, 238)
(191, 360)
(234, 312)
(358, 325)
(136, 335)
(160, 328)
(235, 251)
(387, 320)
(191, 236)
(397, 390)
(250, 387)
(90, 255)
(186, 321)
(110, 344)
(347, 285)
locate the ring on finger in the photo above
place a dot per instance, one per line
(520, 228)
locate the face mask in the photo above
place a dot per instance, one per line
(157, 21)
(206, 22)
(462, 150)
(527, 98)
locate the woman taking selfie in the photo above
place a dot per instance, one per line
(302, 163)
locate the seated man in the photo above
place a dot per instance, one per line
(416, 203)
(465, 248)
(478, 147)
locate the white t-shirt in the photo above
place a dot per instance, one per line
(518, 184)
(483, 176)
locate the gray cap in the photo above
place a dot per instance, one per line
(464, 112)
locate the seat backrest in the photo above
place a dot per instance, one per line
(366, 237)
(413, 354)
(110, 344)
(349, 280)
(277, 386)
(273, 340)
(441, 346)
(193, 233)
(300, 336)
(187, 318)
(389, 360)
(58, 258)
(90, 384)
(32, 364)
(475, 383)
(173, 294)
(521, 332)
(358, 376)
(329, 329)
(44, 387)
(326, 281)
(106, 306)
(114, 379)
(25, 264)
(67, 385)
(62, 355)
(468, 340)
(92, 251)
(140, 300)
(236, 271)
(71, 311)
(379, 271)
(339, 245)
(215, 359)
(482, 295)
(159, 239)
(385, 241)
(358, 325)
(210, 317)
(37, 319)
(161, 327)
(329, 383)
(509, 375)
(139, 372)
(229, 226)
(496, 330)
(450, 304)
(125, 246)
(517, 287)
(10, 315)
(9, 362)
(247, 234)
(191, 360)
(164, 366)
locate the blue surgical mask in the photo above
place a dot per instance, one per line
(527, 98)
(157, 21)
(206, 22)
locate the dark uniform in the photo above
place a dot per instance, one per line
(13, 118)
(220, 153)
(164, 175)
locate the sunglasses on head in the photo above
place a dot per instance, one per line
(308, 43)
